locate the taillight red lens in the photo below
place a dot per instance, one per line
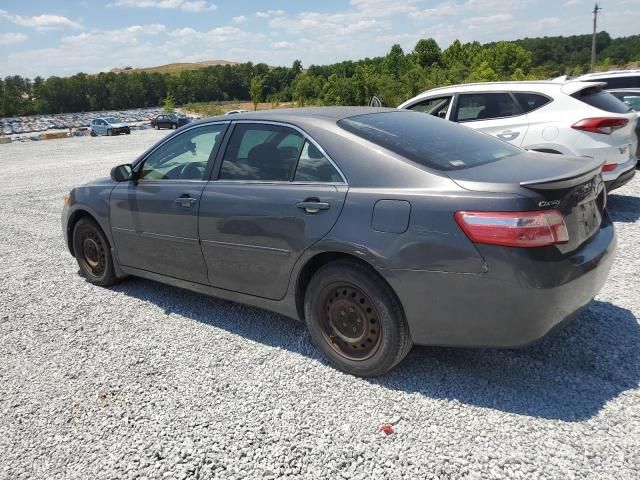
(604, 125)
(607, 167)
(514, 229)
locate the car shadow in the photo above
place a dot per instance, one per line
(623, 208)
(569, 375)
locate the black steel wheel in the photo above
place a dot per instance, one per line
(351, 324)
(355, 319)
(93, 253)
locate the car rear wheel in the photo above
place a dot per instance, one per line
(355, 319)
(93, 253)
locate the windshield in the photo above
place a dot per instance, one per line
(427, 140)
(111, 120)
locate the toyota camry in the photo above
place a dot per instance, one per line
(378, 228)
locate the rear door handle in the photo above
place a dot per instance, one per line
(312, 205)
(185, 201)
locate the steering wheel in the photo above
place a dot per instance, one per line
(192, 171)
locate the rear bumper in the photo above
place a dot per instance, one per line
(485, 310)
(621, 175)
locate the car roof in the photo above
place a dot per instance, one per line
(541, 86)
(610, 74)
(299, 115)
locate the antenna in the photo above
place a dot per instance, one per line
(596, 9)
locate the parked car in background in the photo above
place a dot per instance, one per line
(378, 228)
(614, 78)
(630, 96)
(572, 118)
(235, 112)
(169, 120)
(107, 126)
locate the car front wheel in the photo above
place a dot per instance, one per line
(109, 133)
(355, 319)
(93, 253)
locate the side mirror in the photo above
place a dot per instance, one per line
(122, 173)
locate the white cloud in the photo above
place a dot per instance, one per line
(441, 10)
(9, 38)
(239, 19)
(281, 45)
(40, 22)
(270, 13)
(476, 22)
(186, 5)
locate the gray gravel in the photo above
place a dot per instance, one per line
(148, 381)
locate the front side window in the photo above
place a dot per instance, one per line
(313, 166)
(261, 152)
(531, 101)
(485, 106)
(433, 106)
(184, 157)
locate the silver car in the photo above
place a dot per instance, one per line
(108, 126)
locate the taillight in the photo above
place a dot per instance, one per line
(514, 229)
(607, 167)
(604, 125)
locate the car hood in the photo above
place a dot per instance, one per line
(119, 125)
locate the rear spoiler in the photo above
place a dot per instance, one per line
(576, 177)
(576, 86)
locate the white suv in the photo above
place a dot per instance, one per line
(571, 118)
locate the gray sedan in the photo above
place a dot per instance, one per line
(378, 228)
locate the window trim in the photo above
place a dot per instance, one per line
(513, 93)
(454, 114)
(137, 165)
(215, 174)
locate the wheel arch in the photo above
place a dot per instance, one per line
(74, 218)
(313, 264)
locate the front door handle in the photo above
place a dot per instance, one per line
(312, 205)
(508, 135)
(185, 201)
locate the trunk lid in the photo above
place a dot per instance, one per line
(572, 185)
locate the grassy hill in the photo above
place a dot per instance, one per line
(174, 68)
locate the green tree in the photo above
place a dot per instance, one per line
(395, 62)
(169, 103)
(427, 52)
(256, 91)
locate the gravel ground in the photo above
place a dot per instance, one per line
(148, 381)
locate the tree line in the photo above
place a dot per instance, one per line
(394, 77)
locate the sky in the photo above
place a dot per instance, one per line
(64, 37)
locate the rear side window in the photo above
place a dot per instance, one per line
(598, 98)
(261, 152)
(485, 106)
(428, 141)
(530, 101)
(313, 166)
(433, 106)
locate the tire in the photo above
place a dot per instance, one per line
(109, 132)
(374, 336)
(92, 133)
(174, 126)
(157, 127)
(93, 253)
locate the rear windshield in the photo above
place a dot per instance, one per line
(598, 98)
(429, 141)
